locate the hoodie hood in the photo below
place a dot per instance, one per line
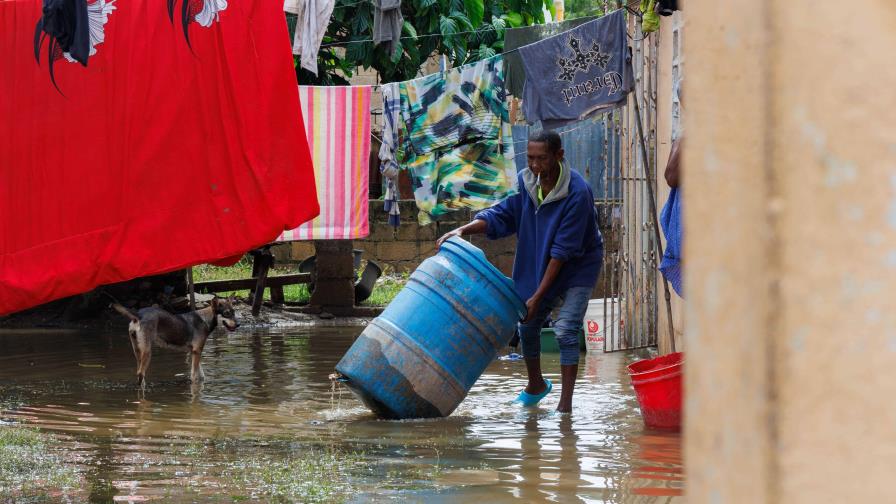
(560, 191)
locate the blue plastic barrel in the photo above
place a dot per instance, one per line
(421, 356)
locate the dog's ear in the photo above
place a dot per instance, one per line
(214, 303)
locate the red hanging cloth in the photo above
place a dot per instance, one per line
(154, 157)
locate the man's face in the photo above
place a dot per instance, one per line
(541, 159)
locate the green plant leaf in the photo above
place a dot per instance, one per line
(447, 26)
(408, 30)
(515, 19)
(499, 26)
(460, 55)
(358, 51)
(486, 52)
(360, 21)
(463, 24)
(475, 11)
(398, 52)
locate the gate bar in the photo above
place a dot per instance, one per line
(653, 216)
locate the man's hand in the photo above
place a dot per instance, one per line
(457, 232)
(478, 226)
(532, 306)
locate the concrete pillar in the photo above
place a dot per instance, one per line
(334, 275)
(790, 210)
(668, 45)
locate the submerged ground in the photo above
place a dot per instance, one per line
(268, 425)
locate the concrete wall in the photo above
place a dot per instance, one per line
(790, 325)
(403, 250)
(668, 45)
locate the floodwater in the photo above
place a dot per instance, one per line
(267, 398)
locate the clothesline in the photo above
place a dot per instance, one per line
(468, 32)
(362, 41)
(353, 4)
(504, 53)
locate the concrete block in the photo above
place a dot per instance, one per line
(407, 232)
(333, 292)
(408, 207)
(381, 231)
(397, 251)
(425, 233)
(334, 259)
(376, 212)
(426, 249)
(282, 253)
(301, 250)
(367, 246)
(334, 283)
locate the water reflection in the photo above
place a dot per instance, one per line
(274, 385)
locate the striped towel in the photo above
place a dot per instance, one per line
(337, 124)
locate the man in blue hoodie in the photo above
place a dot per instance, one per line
(558, 257)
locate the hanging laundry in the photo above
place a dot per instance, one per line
(456, 139)
(577, 73)
(293, 6)
(64, 23)
(459, 106)
(313, 19)
(158, 157)
(97, 16)
(650, 18)
(387, 23)
(671, 224)
(201, 12)
(337, 125)
(473, 176)
(71, 29)
(514, 38)
(389, 151)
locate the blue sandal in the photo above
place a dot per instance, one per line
(526, 399)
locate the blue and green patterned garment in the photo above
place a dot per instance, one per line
(455, 138)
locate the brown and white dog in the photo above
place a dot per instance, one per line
(186, 332)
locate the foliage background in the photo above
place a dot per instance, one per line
(463, 30)
(582, 8)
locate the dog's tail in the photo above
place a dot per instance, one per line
(124, 311)
(121, 309)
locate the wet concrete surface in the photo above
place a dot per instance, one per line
(267, 398)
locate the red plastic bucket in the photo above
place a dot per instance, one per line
(657, 384)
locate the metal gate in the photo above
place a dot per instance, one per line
(631, 252)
